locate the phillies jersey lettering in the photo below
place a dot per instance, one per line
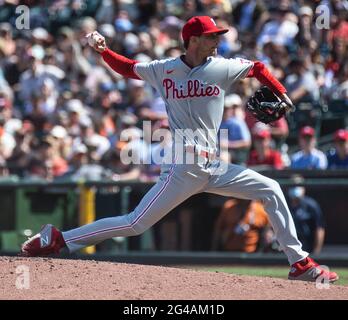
(190, 89)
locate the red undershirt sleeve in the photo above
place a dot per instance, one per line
(120, 64)
(261, 73)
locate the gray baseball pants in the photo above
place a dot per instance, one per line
(180, 181)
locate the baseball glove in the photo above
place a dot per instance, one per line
(266, 106)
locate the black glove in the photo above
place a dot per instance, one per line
(266, 106)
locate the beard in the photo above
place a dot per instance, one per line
(213, 52)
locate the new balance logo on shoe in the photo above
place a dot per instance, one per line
(44, 241)
(314, 272)
(293, 270)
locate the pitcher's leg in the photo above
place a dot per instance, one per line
(247, 184)
(162, 198)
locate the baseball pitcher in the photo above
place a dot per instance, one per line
(193, 87)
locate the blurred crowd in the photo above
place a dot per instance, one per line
(62, 109)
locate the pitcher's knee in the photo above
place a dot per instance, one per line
(139, 229)
(271, 185)
(136, 226)
(275, 186)
(273, 190)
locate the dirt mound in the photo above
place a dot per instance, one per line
(46, 278)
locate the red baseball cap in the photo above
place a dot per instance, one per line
(199, 25)
(307, 131)
(341, 134)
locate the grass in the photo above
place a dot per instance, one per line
(274, 272)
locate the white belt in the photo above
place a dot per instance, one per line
(207, 153)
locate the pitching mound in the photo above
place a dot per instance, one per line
(77, 279)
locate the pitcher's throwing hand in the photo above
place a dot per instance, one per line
(96, 41)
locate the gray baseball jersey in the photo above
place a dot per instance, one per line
(194, 97)
(194, 101)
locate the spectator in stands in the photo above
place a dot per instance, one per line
(96, 143)
(249, 15)
(282, 27)
(279, 129)
(338, 156)
(6, 109)
(7, 44)
(300, 82)
(7, 142)
(308, 157)
(216, 8)
(81, 167)
(117, 170)
(229, 42)
(340, 88)
(308, 34)
(170, 26)
(336, 59)
(4, 171)
(276, 56)
(60, 141)
(33, 78)
(77, 158)
(75, 115)
(338, 23)
(39, 170)
(36, 115)
(308, 220)
(191, 8)
(138, 97)
(241, 226)
(105, 113)
(47, 151)
(21, 154)
(263, 155)
(49, 96)
(157, 110)
(239, 140)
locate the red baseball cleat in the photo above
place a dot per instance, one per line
(48, 241)
(308, 270)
